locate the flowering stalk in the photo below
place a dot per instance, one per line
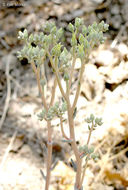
(48, 44)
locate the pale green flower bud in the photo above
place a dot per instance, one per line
(56, 50)
(65, 56)
(31, 38)
(80, 51)
(85, 148)
(95, 156)
(86, 44)
(81, 38)
(71, 27)
(25, 34)
(42, 53)
(47, 39)
(20, 35)
(92, 117)
(59, 33)
(95, 26)
(48, 26)
(89, 28)
(106, 27)
(91, 150)
(78, 22)
(53, 30)
(42, 115)
(41, 36)
(101, 25)
(88, 120)
(84, 30)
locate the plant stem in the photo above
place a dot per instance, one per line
(62, 129)
(39, 86)
(57, 77)
(74, 145)
(78, 87)
(72, 70)
(53, 92)
(83, 174)
(49, 155)
(90, 132)
(88, 140)
(49, 142)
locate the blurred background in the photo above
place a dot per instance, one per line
(104, 92)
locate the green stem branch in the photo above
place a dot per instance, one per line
(78, 87)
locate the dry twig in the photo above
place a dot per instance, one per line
(8, 93)
(8, 150)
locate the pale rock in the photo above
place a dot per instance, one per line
(122, 48)
(24, 109)
(119, 73)
(101, 186)
(78, 64)
(105, 58)
(97, 1)
(64, 173)
(93, 83)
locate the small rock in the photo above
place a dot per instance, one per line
(93, 84)
(78, 64)
(116, 21)
(122, 48)
(115, 10)
(64, 172)
(105, 58)
(78, 13)
(97, 1)
(115, 74)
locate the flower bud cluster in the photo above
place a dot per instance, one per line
(31, 53)
(49, 42)
(56, 50)
(23, 35)
(85, 38)
(56, 110)
(95, 121)
(64, 58)
(88, 152)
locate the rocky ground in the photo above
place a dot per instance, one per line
(104, 92)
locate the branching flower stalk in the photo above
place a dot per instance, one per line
(48, 45)
(49, 142)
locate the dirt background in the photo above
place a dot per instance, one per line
(104, 92)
